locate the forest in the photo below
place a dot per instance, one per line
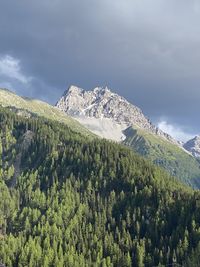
(69, 200)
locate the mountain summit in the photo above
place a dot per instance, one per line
(193, 146)
(105, 113)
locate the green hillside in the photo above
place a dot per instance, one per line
(69, 200)
(163, 153)
(27, 106)
(174, 159)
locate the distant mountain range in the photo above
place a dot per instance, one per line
(111, 116)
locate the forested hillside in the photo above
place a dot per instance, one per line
(173, 158)
(67, 200)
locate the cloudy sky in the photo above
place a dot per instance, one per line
(146, 50)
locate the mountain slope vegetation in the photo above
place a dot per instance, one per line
(77, 201)
(33, 107)
(171, 157)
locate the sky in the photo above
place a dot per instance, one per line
(145, 50)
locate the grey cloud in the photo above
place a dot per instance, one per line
(147, 50)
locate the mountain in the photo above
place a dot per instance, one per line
(70, 200)
(105, 113)
(193, 146)
(111, 116)
(32, 107)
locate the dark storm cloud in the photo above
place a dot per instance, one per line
(146, 50)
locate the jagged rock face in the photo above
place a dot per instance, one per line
(101, 102)
(193, 146)
(103, 107)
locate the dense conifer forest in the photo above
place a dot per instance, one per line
(67, 200)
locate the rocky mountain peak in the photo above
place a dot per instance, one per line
(193, 146)
(100, 102)
(73, 90)
(100, 109)
(102, 90)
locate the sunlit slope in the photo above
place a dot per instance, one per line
(39, 108)
(163, 153)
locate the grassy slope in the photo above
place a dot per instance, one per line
(173, 158)
(40, 108)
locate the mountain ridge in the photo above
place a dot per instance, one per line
(34, 107)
